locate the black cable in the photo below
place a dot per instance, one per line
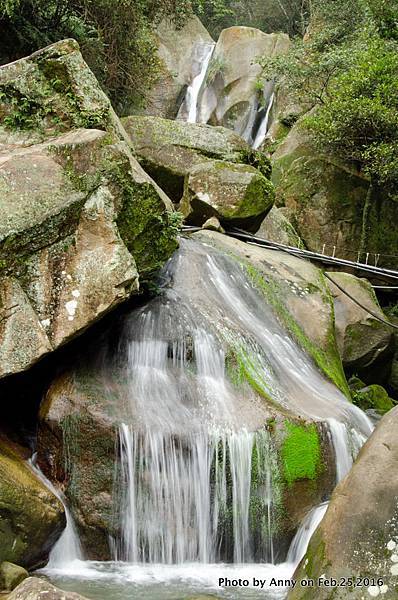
(255, 241)
(359, 303)
(291, 250)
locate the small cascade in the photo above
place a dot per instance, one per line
(258, 119)
(300, 542)
(189, 108)
(346, 443)
(68, 549)
(264, 125)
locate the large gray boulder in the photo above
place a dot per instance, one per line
(31, 517)
(325, 198)
(81, 222)
(231, 94)
(366, 344)
(35, 588)
(358, 537)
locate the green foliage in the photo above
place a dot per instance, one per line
(301, 452)
(216, 67)
(347, 69)
(290, 16)
(215, 14)
(359, 122)
(116, 38)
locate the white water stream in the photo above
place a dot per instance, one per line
(201, 63)
(194, 453)
(67, 552)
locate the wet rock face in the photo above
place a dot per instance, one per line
(299, 295)
(77, 445)
(34, 588)
(81, 221)
(366, 345)
(31, 517)
(358, 535)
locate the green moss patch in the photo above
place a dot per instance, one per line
(301, 453)
(373, 397)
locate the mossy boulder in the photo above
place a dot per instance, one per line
(307, 475)
(373, 397)
(169, 150)
(326, 198)
(238, 195)
(276, 227)
(358, 535)
(53, 91)
(31, 517)
(366, 344)
(34, 588)
(81, 222)
(11, 575)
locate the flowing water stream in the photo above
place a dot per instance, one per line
(190, 107)
(194, 454)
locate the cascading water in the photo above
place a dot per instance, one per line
(189, 108)
(180, 490)
(197, 480)
(68, 549)
(190, 430)
(264, 124)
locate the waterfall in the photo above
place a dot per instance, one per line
(263, 128)
(203, 56)
(197, 479)
(300, 542)
(68, 549)
(188, 436)
(189, 499)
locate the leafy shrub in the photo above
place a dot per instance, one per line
(116, 38)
